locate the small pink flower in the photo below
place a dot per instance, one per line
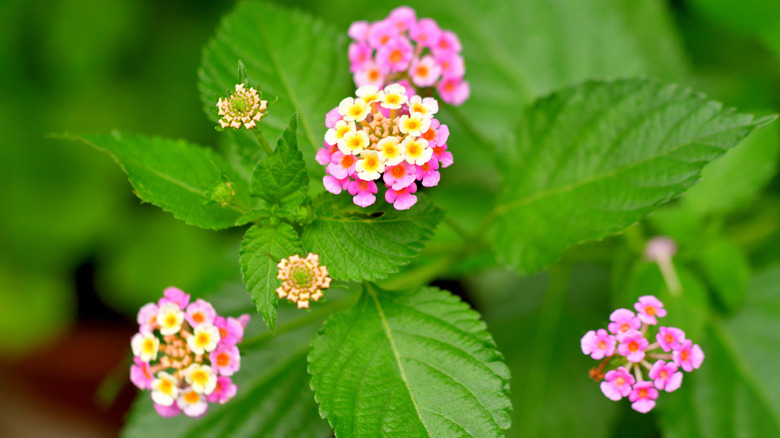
(598, 344)
(396, 55)
(428, 173)
(451, 64)
(617, 384)
(175, 295)
(231, 330)
(448, 43)
(224, 391)
(443, 155)
(670, 338)
(167, 411)
(403, 17)
(363, 192)
(440, 134)
(402, 199)
(147, 317)
(623, 320)
(225, 360)
(140, 374)
(400, 176)
(370, 74)
(325, 154)
(341, 165)
(648, 308)
(244, 319)
(665, 376)
(453, 90)
(425, 32)
(689, 356)
(643, 397)
(632, 345)
(424, 72)
(331, 118)
(335, 185)
(358, 30)
(382, 33)
(359, 54)
(200, 312)
(660, 248)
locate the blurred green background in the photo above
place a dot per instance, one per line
(79, 253)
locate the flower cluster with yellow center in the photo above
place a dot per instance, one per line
(303, 279)
(243, 107)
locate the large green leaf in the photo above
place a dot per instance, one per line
(281, 179)
(588, 161)
(300, 60)
(174, 175)
(273, 399)
(368, 243)
(416, 363)
(261, 250)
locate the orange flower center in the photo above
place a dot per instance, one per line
(396, 56)
(413, 124)
(633, 346)
(620, 381)
(429, 135)
(347, 161)
(373, 75)
(223, 360)
(198, 317)
(601, 344)
(422, 70)
(669, 338)
(650, 310)
(191, 397)
(684, 355)
(642, 393)
(398, 171)
(624, 327)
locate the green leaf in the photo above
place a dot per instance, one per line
(737, 177)
(368, 243)
(290, 55)
(273, 399)
(727, 270)
(281, 179)
(174, 175)
(416, 363)
(590, 160)
(261, 250)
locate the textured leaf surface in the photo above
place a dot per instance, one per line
(590, 160)
(417, 363)
(261, 250)
(281, 179)
(174, 175)
(292, 56)
(368, 243)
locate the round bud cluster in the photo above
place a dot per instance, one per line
(185, 354)
(628, 348)
(302, 279)
(243, 107)
(403, 49)
(388, 135)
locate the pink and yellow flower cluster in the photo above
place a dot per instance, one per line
(384, 135)
(415, 53)
(630, 344)
(185, 354)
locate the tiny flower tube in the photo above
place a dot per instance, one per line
(408, 49)
(185, 354)
(627, 371)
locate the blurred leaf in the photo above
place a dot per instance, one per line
(281, 179)
(758, 18)
(290, 55)
(727, 270)
(737, 177)
(368, 243)
(261, 250)
(588, 161)
(173, 175)
(415, 363)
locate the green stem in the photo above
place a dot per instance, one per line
(263, 142)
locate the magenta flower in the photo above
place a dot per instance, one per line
(598, 344)
(643, 397)
(425, 32)
(428, 173)
(147, 317)
(623, 320)
(358, 31)
(670, 338)
(175, 295)
(231, 330)
(200, 312)
(400, 176)
(451, 64)
(665, 376)
(382, 33)
(396, 55)
(140, 374)
(335, 185)
(617, 384)
(359, 54)
(363, 192)
(167, 411)
(341, 165)
(648, 308)
(453, 90)
(689, 356)
(437, 134)
(448, 43)
(425, 72)
(403, 17)
(331, 118)
(225, 360)
(224, 391)
(632, 345)
(402, 199)
(371, 74)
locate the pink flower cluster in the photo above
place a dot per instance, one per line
(185, 353)
(636, 341)
(384, 135)
(402, 49)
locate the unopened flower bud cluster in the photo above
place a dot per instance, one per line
(243, 107)
(185, 354)
(303, 279)
(641, 359)
(384, 135)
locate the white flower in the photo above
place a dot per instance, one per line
(427, 106)
(165, 389)
(369, 166)
(395, 96)
(204, 338)
(417, 151)
(354, 110)
(145, 346)
(201, 378)
(414, 125)
(333, 135)
(170, 319)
